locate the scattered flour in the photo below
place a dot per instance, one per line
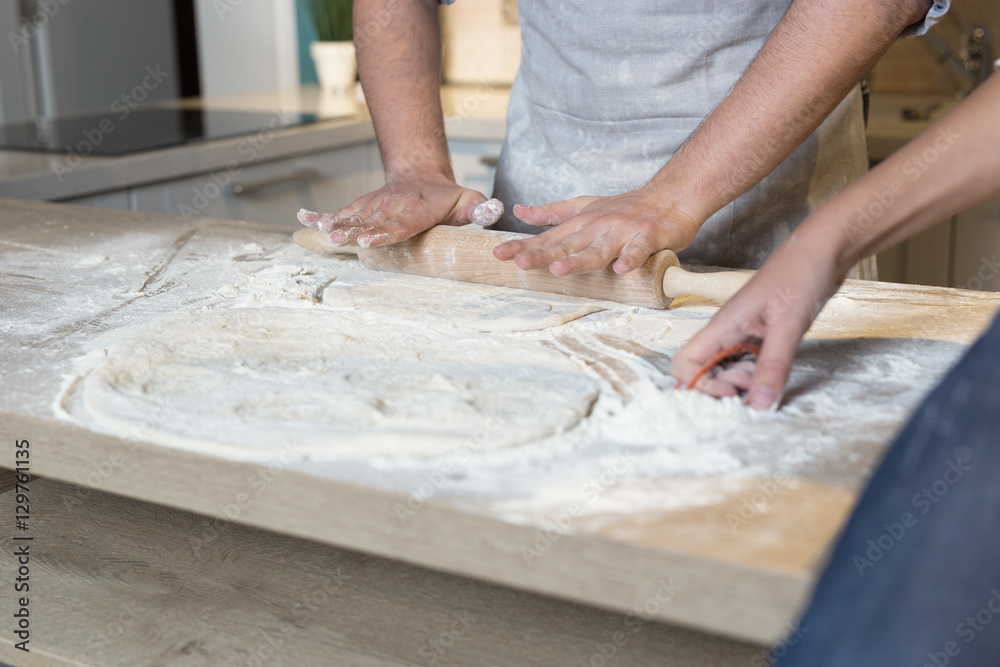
(248, 382)
(473, 393)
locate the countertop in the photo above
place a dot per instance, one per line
(739, 515)
(471, 113)
(475, 113)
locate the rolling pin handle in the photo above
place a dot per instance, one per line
(718, 285)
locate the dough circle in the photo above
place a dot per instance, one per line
(248, 382)
(417, 300)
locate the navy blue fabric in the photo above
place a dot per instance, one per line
(915, 577)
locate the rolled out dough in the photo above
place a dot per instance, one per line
(490, 309)
(250, 381)
(415, 299)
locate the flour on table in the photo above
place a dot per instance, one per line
(333, 382)
(481, 394)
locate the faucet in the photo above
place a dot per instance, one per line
(973, 62)
(977, 52)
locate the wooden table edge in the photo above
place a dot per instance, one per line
(759, 604)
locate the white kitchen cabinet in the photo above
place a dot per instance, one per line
(929, 257)
(270, 192)
(960, 252)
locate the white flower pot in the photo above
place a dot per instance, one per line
(336, 65)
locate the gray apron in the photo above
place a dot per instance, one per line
(608, 91)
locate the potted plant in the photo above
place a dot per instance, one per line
(333, 52)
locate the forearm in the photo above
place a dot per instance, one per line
(817, 53)
(949, 168)
(399, 59)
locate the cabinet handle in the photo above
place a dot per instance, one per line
(489, 161)
(253, 187)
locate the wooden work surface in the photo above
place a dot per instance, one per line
(745, 583)
(117, 581)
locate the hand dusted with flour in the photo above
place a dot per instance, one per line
(402, 208)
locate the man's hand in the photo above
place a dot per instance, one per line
(818, 52)
(403, 208)
(399, 59)
(589, 232)
(774, 310)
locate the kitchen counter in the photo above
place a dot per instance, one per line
(722, 538)
(471, 113)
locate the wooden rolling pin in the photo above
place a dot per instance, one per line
(466, 254)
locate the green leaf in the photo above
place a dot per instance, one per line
(332, 19)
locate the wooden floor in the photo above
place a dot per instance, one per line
(116, 581)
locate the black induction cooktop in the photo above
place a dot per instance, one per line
(140, 129)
